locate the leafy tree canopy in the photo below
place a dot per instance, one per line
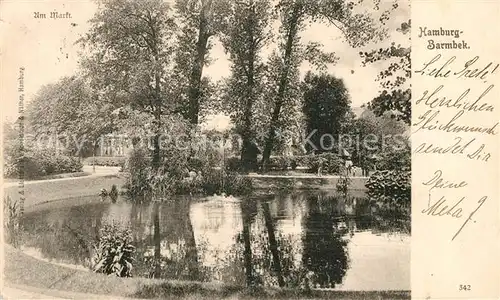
(395, 96)
(326, 107)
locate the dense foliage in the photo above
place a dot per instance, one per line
(393, 159)
(128, 54)
(357, 28)
(389, 189)
(395, 96)
(113, 253)
(70, 110)
(390, 193)
(23, 157)
(38, 163)
(326, 109)
(198, 24)
(137, 168)
(183, 174)
(326, 163)
(115, 161)
(218, 183)
(247, 32)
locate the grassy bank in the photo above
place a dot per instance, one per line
(21, 269)
(53, 190)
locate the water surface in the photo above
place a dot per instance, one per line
(285, 239)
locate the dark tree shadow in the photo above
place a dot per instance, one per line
(324, 249)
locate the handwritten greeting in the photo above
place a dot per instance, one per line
(462, 118)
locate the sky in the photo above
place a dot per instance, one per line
(46, 49)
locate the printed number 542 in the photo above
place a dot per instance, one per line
(464, 287)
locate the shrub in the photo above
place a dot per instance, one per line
(302, 160)
(395, 160)
(330, 163)
(280, 163)
(38, 163)
(30, 167)
(390, 192)
(230, 184)
(10, 169)
(390, 183)
(233, 164)
(204, 178)
(137, 169)
(195, 164)
(173, 170)
(115, 161)
(183, 174)
(113, 253)
(113, 193)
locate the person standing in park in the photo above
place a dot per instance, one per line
(347, 161)
(348, 165)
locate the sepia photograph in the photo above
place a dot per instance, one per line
(206, 149)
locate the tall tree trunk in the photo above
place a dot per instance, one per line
(157, 115)
(273, 244)
(94, 150)
(287, 61)
(248, 152)
(156, 150)
(197, 68)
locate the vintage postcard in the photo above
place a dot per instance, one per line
(250, 149)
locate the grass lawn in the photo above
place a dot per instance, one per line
(22, 269)
(46, 191)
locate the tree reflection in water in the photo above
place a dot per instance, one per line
(273, 243)
(270, 256)
(65, 235)
(167, 248)
(325, 249)
(248, 213)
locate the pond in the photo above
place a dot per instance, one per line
(316, 237)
